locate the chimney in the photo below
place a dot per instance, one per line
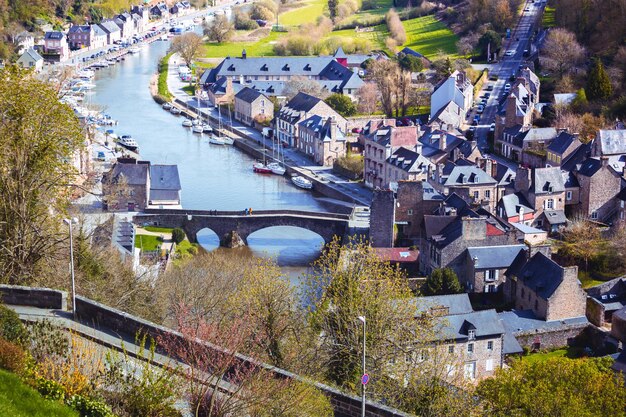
(443, 139)
(474, 228)
(521, 214)
(522, 179)
(487, 167)
(332, 123)
(605, 161)
(494, 168)
(243, 54)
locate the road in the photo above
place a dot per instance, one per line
(508, 66)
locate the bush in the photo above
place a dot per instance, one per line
(341, 104)
(178, 235)
(369, 5)
(11, 327)
(89, 408)
(51, 390)
(260, 11)
(243, 22)
(396, 30)
(12, 356)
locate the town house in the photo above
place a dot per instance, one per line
(126, 187)
(164, 187)
(406, 165)
(486, 267)
(471, 183)
(55, 46)
(125, 22)
(599, 186)
(561, 148)
(79, 36)
(31, 59)
(321, 139)
(251, 105)
(114, 34)
(457, 88)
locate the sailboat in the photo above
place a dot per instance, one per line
(277, 167)
(215, 139)
(261, 167)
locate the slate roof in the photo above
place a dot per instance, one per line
(546, 179)
(512, 203)
(612, 142)
(247, 95)
(589, 167)
(302, 102)
(163, 195)
(435, 224)
(468, 175)
(136, 174)
(321, 127)
(54, 35)
(339, 53)
(408, 160)
(527, 230)
(456, 303)
(504, 174)
(539, 134)
(576, 157)
(98, 31)
(520, 322)
(109, 26)
(563, 141)
(429, 192)
(409, 51)
(79, 29)
(164, 177)
(494, 257)
(555, 216)
(34, 55)
(485, 323)
(539, 273)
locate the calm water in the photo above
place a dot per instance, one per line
(212, 177)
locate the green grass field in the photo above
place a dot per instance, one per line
(19, 400)
(569, 352)
(363, 16)
(157, 229)
(428, 36)
(548, 19)
(302, 15)
(263, 47)
(147, 242)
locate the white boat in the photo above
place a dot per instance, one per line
(261, 168)
(167, 106)
(207, 129)
(196, 122)
(216, 140)
(163, 38)
(134, 49)
(276, 168)
(175, 110)
(129, 143)
(302, 182)
(227, 140)
(187, 123)
(197, 129)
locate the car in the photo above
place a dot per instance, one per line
(490, 87)
(476, 119)
(507, 87)
(480, 109)
(510, 52)
(101, 156)
(527, 9)
(357, 130)
(483, 102)
(475, 122)
(492, 128)
(487, 95)
(472, 128)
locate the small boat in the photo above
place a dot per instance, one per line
(261, 168)
(134, 49)
(302, 182)
(197, 129)
(167, 106)
(187, 123)
(228, 141)
(215, 140)
(276, 168)
(196, 122)
(129, 143)
(207, 129)
(175, 110)
(163, 38)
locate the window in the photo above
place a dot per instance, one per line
(594, 215)
(409, 212)
(262, 111)
(262, 103)
(470, 348)
(451, 349)
(489, 365)
(568, 195)
(549, 203)
(491, 275)
(475, 195)
(490, 345)
(471, 334)
(487, 193)
(470, 370)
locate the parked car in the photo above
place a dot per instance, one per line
(507, 87)
(510, 52)
(480, 109)
(492, 128)
(101, 156)
(357, 130)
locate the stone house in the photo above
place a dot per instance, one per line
(527, 145)
(457, 88)
(31, 59)
(609, 143)
(561, 148)
(126, 24)
(300, 108)
(544, 189)
(486, 267)
(441, 146)
(251, 105)
(321, 139)
(405, 165)
(159, 11)
(599, 186)
(382, 215)
(380, 140)
(470, 341)
(471, 183)
(164, 186)
(605, 299)
(112, 30)
(55, 44)
(515, 209)
(126, 186)
(98, 38)
(549, 290)
(79, 36)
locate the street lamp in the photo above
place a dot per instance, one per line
(364, 378)
(70, 222)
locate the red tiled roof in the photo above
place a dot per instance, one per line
(400, 255)
(493, 230)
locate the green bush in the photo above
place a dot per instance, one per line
(50, 390)
(178, 235)
(89, 408)
(47, 340)
(12, 356)
(11, 327)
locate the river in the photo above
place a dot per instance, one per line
(212, 177)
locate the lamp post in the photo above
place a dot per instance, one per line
(364, 378)
(70, 222)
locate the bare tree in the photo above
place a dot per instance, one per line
(302, 84)
(394, 85)
(188, 46)
(561, 51)
(367, 97)
(219, 30)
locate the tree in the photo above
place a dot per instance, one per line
(367, 96)
(555, 387)
(581, 242)
(178, 235)
(300, 84)
(220, 29)
(580, 101)
(332, 9)
(598, 83)
(442, 281)
(410, 63)
(187, 46)
(490, 42)
(394, 85)
(341, 104)
(561, 51)
(39, 135)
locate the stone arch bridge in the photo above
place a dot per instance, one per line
(223, 223)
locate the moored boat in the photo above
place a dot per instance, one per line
(207, 129)
(175, 110)
(302, 182)
(276, 168)
(215, 140)
(167, 106)
(197, 129)
(261, 168)
(129, 143)
(187, 123)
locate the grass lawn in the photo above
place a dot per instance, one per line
(147, 242)
(376, 37)
(568, 352)
(428, 36)
(157, 229)
(302, 15)
(190, 89)
(364, 15)
(162, 84)
(547, 20)
(19, 400)
(263, 47)
(587, 280)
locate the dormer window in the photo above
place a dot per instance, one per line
(307, 67)
(264, 67)
(231, 67)
(471, 334)
(286, 67)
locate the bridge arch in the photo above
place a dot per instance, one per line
(288, 245)
(208, 239)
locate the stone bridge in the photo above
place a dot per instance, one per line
(223, 223)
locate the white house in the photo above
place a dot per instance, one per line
(31, 59)
(25, 40)
(99, 37)
(456, 88)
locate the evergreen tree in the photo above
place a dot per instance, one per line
(598, 82)
(332, 9)
(441, 282)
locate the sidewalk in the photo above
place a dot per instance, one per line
(292, 157)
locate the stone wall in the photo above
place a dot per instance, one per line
(382, 219)
(33, 297)
(550, 339)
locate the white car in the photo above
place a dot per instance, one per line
(527, 9)
(492, 128)
(480, 109)
(507, 87)
(509, 53)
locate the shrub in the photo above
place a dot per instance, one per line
(341, 104)
(178, 235)
(369, 5)
(12, 356)
(11, 327)
(260, 11)
(243, 22)
(89, 408)
(47, 340)
(51, 390)
(396, 30)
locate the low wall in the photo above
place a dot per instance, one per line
(344, 405)
(33, 297)
(550, 339)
